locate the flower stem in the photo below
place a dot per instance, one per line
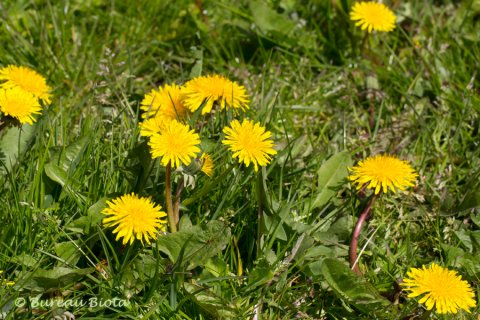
(259, 214)
(168, 198)
(176, 203)
(356, 233)
(364, 42)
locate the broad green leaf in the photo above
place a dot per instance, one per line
(314, 268)
(214, 304)
(217, 267)
(129, 284)
(24, 259)
(354, 289)
(260, 275)
(268, 20)
(146, 266)
(62, 165)
(68, 251)
(73, 153)
(198, 244)
(59, 175)
(330, 175)
(471, 200)
(464, 237)
(319, 251)
(94, 216)
(476, 219)
(68, 157)
(55, 278)
(185, 223)
(13, 143)
(274, 227)
(197, 67)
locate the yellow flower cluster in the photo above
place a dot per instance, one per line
(168, 107)
(166, 111)
(21, 92)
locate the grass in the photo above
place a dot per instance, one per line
(413, 93)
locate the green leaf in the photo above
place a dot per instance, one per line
(199, 244)
(214, 304)
(274, 227)
(68, 251)
(55, 278)
(197, 67)
(59, 175)
(464, 237)
(353, 289)
(260, 275)
(13, 143)
(62, 166)
(471, 200)
(24, 259)
(185, 223)
(314, 268)
(146, 266)
(269, 20)
(330, 175)
(94, 216)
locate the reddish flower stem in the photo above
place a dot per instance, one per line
(356, 234)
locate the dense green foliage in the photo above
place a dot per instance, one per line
(267, 245)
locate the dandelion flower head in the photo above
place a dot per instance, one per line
(249, 142)
(27, 79)
(134, 218)
(165, 102)
(207, 164)
(373, 16)
(441, 288)
(176, 144)
(20, 104)
(151, 126)
(381, 172)
(208, 90)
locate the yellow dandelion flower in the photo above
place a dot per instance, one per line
(151, 126)
(134, 217)
(249, 142)
(165, 102)
(373, 16)
(207, 164)
(176, 144)
(27, 79)
(443, 289)
(383, 172)
(215, 88)
(20, 104)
